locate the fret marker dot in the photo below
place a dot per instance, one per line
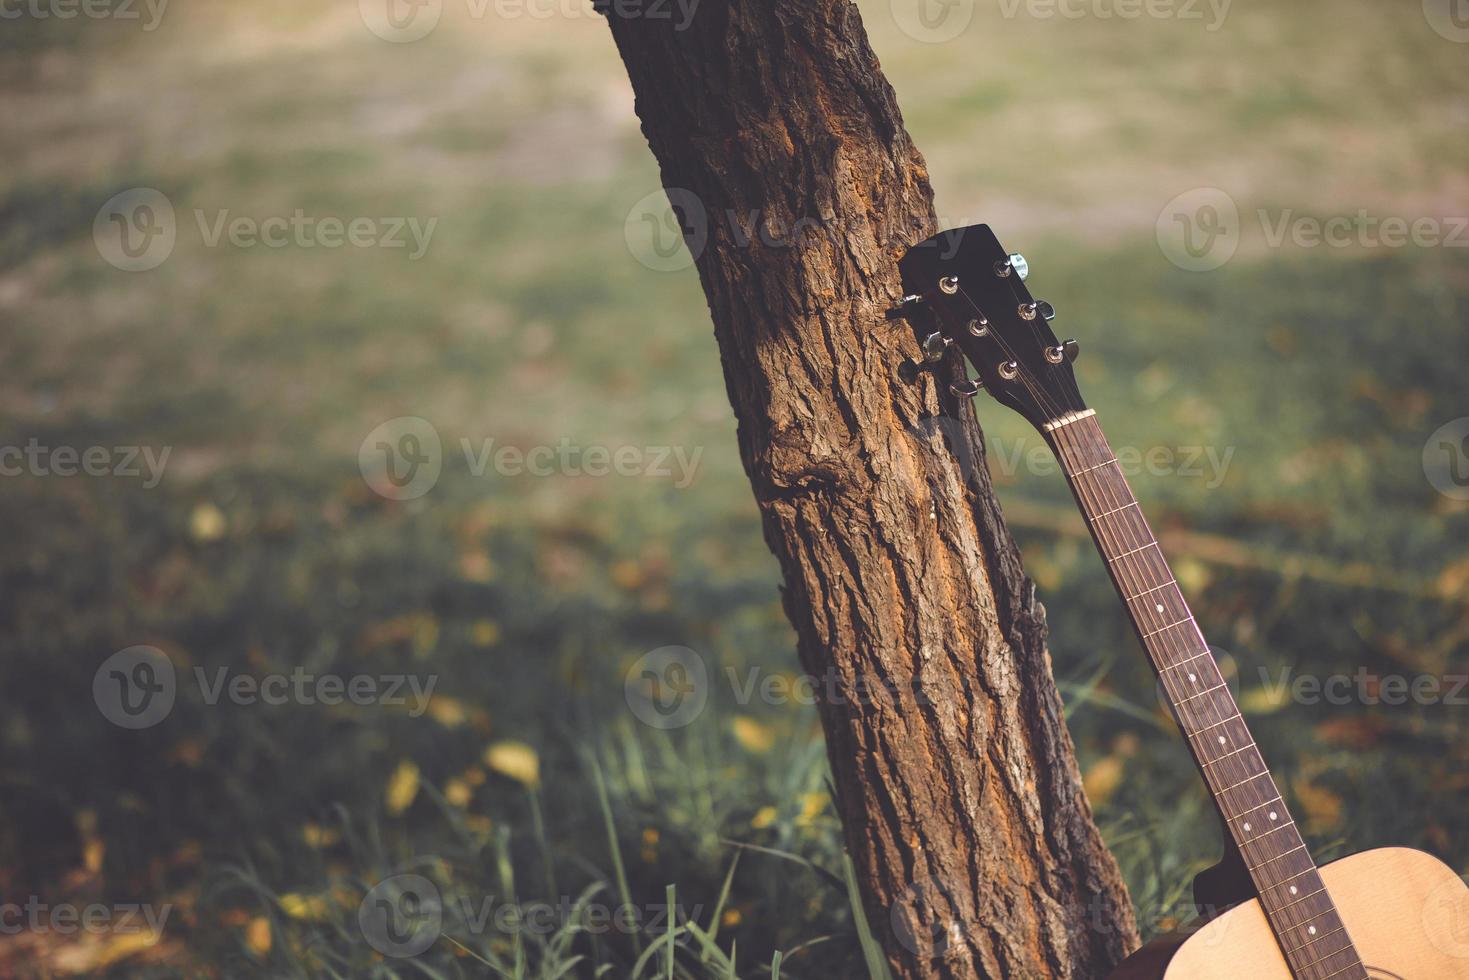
(1247, 826)
(1311, 930)
(1193, 677)
(1159, 607)
(1274, 815)
(1293, 889)
(1222, 740)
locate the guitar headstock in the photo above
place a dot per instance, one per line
(964, 289)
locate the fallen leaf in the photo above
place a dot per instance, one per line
(753, 735)
(402, 788)
(516, 760)
(257, 936)
(1102, 779)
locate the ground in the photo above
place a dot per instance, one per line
(1282, 407)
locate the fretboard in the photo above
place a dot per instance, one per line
(1310, 933)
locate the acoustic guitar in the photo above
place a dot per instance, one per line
(1386, 913)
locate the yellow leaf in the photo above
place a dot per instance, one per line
(257, 936)
(764, 817)
(206, 523)
(516, 760)
(402, 788)
(318, 836)
(307, 908)
(1102, 779)
(1264, 700)
(754, 736)
(119, 948)
(458, 793)
(485, 633)
(92, 853)
(1193, 575)
(447, 711)
(811, 806)
(731, 917)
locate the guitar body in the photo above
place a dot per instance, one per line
(1407, 912)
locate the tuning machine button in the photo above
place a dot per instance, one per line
(1072, 349)
(965, 389)
(934, 347)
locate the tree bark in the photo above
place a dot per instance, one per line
(780, 141)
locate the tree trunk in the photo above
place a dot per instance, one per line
(781, 143)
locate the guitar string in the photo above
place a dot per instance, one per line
(1232, 762)
(1086, 442)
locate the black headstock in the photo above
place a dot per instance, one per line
(966, 289)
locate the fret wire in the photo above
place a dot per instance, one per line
(1149, 591)
(1320, 936)
(1285, 854)
(1139, 570)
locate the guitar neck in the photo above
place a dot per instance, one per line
(1295, 900)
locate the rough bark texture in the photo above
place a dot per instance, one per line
(964, 814)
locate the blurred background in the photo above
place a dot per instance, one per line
(364, 441)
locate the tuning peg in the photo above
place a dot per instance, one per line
(904, 307)
(1066, 351)
(1028, 311)
(965, 388)
(934, 347)
(1016, 263)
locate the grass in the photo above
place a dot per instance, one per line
(528, 780)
